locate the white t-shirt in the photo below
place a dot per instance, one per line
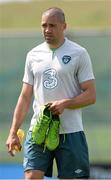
(56, 75)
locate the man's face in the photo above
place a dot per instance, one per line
(52, 29)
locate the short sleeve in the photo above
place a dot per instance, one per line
(85, 71)
(28, 73)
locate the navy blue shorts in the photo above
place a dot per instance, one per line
(71, 156)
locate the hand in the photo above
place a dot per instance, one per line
(13, 143)
(57, 107)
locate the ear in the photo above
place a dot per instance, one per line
(64, 26)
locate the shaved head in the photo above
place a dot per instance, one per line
(54, 11)
(53, 26)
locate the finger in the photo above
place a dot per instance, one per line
(17, 147)
(52, 107)
(9, 149)
(56, 112)
(14, 146)
(11, 153)
(49, 104)
(7, 145)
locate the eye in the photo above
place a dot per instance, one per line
(44, 25)
(52, 25)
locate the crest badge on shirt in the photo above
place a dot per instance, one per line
(66, 59)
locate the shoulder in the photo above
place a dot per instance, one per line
(40, 48)
(74, 47)
(34, 52)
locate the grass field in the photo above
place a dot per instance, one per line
(79, 14)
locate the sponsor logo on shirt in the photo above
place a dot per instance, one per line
(50, 79)
(66, 59)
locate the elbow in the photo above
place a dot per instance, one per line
(93, 99)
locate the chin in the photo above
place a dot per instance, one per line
(49, 41)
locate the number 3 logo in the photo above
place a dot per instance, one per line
(50, 79)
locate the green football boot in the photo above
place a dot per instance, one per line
(52, 139)
(40, 129)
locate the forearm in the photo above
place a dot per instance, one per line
(87, 97)
(20, 113)
(82, 100)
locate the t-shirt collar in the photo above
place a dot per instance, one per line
(54, 49)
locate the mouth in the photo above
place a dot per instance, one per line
(48, 36)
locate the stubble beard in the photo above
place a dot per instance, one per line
(51, 41)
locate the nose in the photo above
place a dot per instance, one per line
(48, 29)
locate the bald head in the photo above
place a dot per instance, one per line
(56, 12)
(53, 26)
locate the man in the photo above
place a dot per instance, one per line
(59, 73)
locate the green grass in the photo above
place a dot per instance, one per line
(99, 142)
(79, 14)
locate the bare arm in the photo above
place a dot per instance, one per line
(87, 97)
(19, 115)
